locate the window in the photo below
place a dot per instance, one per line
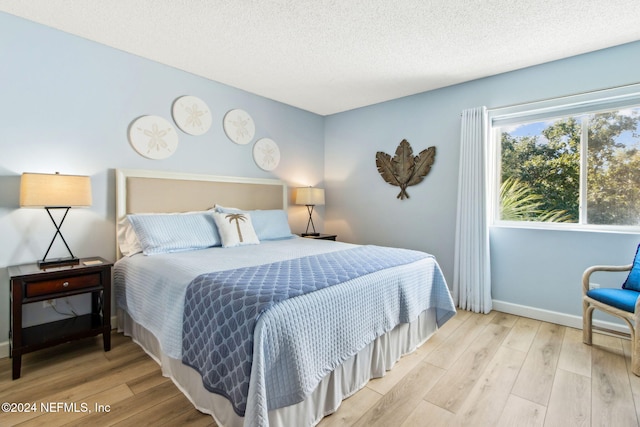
(570, 165)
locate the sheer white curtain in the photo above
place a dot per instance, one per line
(472, 269)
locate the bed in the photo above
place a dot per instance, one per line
(256, 326)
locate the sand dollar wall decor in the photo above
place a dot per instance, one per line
(404, 169)
(153, 137)
(266, 154)
(239, 126)
(192, 115)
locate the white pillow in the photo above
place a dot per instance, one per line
(127, 239)
(235, 229)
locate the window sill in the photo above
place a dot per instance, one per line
(614, 229)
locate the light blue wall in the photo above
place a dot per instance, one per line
(540, 269)
(66, 104)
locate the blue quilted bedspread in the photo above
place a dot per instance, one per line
(223, 308)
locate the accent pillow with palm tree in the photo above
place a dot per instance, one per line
(235, 229)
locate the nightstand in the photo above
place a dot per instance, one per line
(322, 237)
(31, 284)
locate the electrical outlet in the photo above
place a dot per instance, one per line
(594, 285)
(48, 303)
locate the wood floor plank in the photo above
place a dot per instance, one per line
(145, 382)
(634, 380)
(53, 368)
(455, 385)
(536, 377)
(120, 348)
(426, 413)
(78, 387)
(490, 394)
(167, 409)
(521, 413)
(522, 334)
(463, 314)
(459, 340)
(432, 344)
(120, 411)
(452, 324)
(608, 341)
(99, 374)
(407, 363)
(98, 402)
(192, 418)
(397, 373)
(400, 401)
(611, 390)
(575, 356)
(505, 319)
(570, 402)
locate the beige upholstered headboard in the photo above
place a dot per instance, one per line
(144, 191)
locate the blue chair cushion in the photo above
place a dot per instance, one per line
(624, 299)
(633, 279)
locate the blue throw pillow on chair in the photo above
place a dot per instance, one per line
(633, 280)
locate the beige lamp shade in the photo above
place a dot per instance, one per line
(54, 190)
(310, 196)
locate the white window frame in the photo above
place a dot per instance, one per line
(591, 102)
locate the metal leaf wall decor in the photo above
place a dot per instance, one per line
(405, 169)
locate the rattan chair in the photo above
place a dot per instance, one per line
(621, 302)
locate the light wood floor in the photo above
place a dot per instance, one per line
(478, 370)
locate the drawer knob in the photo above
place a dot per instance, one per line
(65, 284)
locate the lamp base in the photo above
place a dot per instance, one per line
(58, 262)
(309, 234)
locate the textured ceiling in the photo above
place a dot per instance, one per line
(328, 56)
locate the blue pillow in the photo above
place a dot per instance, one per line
(162, 233)
(633, 279)
(268, 224)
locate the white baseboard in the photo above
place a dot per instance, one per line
(554, 316)
(4, 346)
(4, 349)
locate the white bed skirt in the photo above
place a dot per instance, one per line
(371, 362)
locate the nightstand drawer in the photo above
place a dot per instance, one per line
(48, 287)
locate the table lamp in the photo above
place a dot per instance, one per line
(55, 191)
(310, 197)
